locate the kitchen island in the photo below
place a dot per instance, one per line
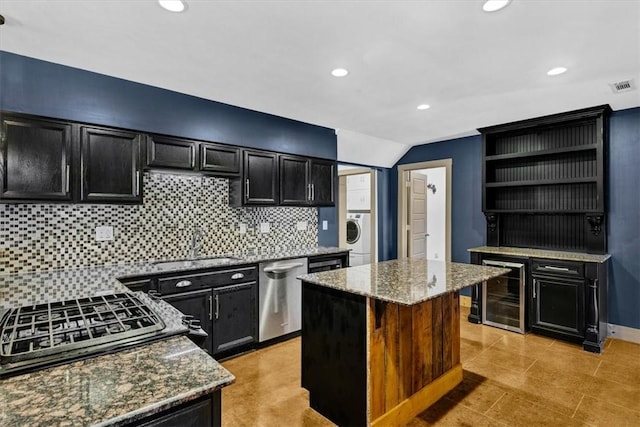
(381, 342)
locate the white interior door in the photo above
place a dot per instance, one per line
(417, 216)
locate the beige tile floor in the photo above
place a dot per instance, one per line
(509, 380)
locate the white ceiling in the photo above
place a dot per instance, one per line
(475, 69)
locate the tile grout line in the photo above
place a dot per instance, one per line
(530, 366)
(495, 403)
(575, 411)
(597, 367)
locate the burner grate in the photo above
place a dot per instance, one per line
(48, 329)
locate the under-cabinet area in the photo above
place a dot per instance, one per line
(564, 294)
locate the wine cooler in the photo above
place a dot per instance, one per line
(504, 297)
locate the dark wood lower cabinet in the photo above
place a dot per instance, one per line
(234, 318)
(567, 300)
(199, 305)
(203, 412)
(558, 307)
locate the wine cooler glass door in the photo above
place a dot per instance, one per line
(503, 297)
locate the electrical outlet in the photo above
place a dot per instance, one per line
(243, 228)
(325, 225)
(301, 225)
(104, 233)
(264, 227)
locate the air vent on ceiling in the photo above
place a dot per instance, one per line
(622, 86)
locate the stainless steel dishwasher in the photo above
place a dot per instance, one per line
(280, 298)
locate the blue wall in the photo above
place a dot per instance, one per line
(468, 223)
(624, 218)
(42, 88)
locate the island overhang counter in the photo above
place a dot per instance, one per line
(381, 342)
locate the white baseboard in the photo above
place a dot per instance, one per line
(624, 333)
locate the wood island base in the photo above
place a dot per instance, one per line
(375, 363)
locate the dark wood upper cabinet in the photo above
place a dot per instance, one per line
(218, 159)
(295, 189)
(258, 183)
(110, 165)
(169, 152)
(544, 181)
(35, 159)
(306, 182)
(322, 180)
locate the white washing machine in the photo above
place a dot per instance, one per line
(359, 238)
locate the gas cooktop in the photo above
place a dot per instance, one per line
(45, 334)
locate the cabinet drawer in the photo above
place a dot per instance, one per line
(187, 282)
(557, 268)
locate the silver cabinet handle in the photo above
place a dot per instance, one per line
(246, 188)
(535, 283)
(183, 284)
(217, 306)
(309, 192)
(551, 267)
(237, 276)
(211, 307)
(313, 192)
(137, 183)
(66, 187)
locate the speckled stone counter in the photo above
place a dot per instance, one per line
(541, 253)
(113, 389)
(59, 285)
(406, 281)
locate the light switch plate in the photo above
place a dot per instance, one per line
(264, 227)
(104, 233)
(325, 224)
(243, 228)
(301, 225)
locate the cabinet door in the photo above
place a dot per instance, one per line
(322, 182)
(198, 304)
(234, 318)
(260, 178)
(294, 184)
(558, 305)
(219, 159)
(35, 159)
(168, 152)
(110, 165)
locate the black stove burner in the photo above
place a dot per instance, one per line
(61, 330)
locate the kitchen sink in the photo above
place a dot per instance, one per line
(191, 263)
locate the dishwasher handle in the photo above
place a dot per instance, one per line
(284, 268)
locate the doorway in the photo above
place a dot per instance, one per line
(357, 218)
(424, 210)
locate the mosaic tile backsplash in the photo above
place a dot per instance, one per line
(40, 237)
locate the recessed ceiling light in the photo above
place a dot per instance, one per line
(172, 5)
(556, 71)
(423, 107)
(339, 72)
(494, 5)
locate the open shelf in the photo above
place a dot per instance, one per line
(544, 181)
(540, 182)
(541, 153)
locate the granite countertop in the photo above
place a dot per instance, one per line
(406, 281)
(541, 253)
(113, 389)
(59, 285)
(124, 386)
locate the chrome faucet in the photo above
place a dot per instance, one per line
(198, 235)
